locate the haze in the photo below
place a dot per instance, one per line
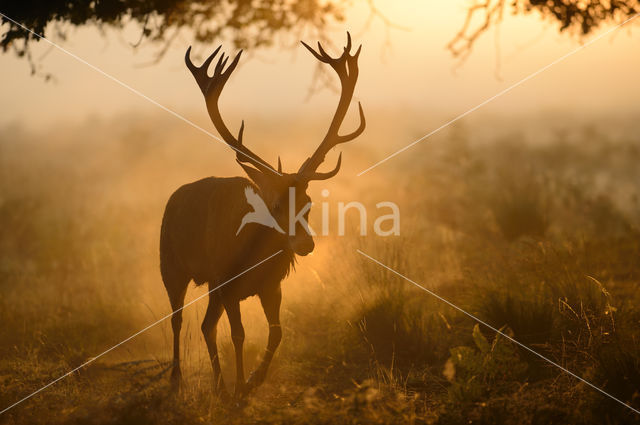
(404, 70)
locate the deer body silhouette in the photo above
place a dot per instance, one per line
(208, 234)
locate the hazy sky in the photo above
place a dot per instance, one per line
(400, 70)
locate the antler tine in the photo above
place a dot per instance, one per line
(314, 53)
(241, 132)
(358, 131)
(233, 64)
(323, 52)
(240, 155)
(347, 48)
(222, 61)
(205, 65)
(357, 53)
(316, 175)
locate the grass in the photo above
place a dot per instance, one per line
(541, 241)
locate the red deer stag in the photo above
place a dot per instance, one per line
(198, 238)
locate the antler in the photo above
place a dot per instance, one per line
(346, 66)
(211, 88)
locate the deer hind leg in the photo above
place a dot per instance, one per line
(271, 306)
(210, 332)
(176, 290)
(237, 335)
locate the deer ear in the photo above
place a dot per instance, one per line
(254, 174)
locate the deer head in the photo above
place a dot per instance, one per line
(276, 186)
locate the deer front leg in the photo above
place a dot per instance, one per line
(176, 297)
(271, 305)
(237, 335)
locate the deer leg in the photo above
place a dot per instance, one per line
(271, 306)
(176, 297)
(237, 335)
(210, 332)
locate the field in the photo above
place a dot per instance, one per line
(539, 238)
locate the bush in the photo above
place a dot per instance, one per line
(483, 369)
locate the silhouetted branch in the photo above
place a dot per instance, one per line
(247, 24)
(576, 16)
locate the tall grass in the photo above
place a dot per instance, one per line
(541, 241)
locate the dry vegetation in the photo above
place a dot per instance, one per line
(541, 240)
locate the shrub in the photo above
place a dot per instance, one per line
(476, 371)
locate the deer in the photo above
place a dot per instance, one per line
(204, 238)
